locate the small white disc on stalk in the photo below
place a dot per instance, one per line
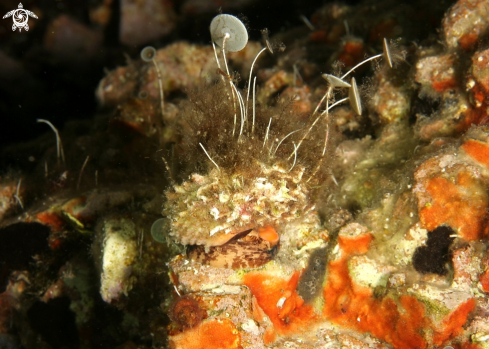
(335, 81)
(148, 53)
(387, 53)
(354, 97)
(228, 24)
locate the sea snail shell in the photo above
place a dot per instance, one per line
(249, 249)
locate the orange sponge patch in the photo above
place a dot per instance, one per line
(484, 280)
(279, 300)
(51, 219)
(400, 321)
(478, 151)
(476, 116)
(452, 325)
(354, 306)
(443, 85)
(268, 233)
(355, 244)
(456, 204)
(216, 333)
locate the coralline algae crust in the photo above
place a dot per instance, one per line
(404, 246)
(366, 272)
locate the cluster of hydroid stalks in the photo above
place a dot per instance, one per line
(60, 156)
(237, 134)
(390, 56)
(252, 165)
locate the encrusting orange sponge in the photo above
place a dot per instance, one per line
(484, 280)
(279, 300)
(456, 204)
(268, 233)
(354, 306)
(402, 322)
(452, 324)
(477, 150)
(215, 333)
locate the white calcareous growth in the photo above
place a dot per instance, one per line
(119, 255)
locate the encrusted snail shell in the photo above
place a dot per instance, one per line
(211, 210)
(249, 249)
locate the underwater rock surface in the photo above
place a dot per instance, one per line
(263, 198)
